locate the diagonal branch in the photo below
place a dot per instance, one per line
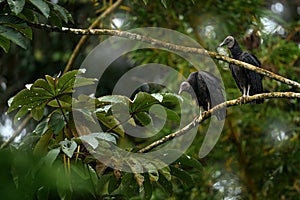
(208, 113)
(169, 46)
(84, 38)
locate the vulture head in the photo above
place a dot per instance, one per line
(229, 41)
(185, 87)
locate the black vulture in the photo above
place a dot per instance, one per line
(207, 89)
(249, 82)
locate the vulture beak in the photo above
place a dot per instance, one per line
(223, 43)
(180, 91)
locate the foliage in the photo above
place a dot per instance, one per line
(256, 157)
(14, 16)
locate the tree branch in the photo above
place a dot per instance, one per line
(208, 113)
(17, 131)
(169, 46)
(84, 38)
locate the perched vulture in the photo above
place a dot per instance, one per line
(207, 89)
(249, 82)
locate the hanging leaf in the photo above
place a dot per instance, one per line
(187, 160)
(164, 2)
(13, 36)
(148, 188)
(4, 43)
(51, 156)
(112, 123)
(56, 122)
(68, 147)
(42, 127)
(113, 184)
(142, 102)
(143, 118)
(166, 184)
(92, 139)
(42, 145)
(42, 6)
(16, 6)
(182, 175)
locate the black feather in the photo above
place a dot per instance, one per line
(244, 77)
(208, 91)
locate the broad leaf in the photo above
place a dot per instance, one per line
(92, 139)
(13, 35)
(51, 156)
(187, 160)
(143, 118)
(4, 44)
(16, 6)
(43, 92)
(142, 102)
(111, 123)
(42, 127)
(147, 187)
(68, 147)
(56, 122)
(42, 6)
(182, 175)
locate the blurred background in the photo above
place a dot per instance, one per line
(258, 153)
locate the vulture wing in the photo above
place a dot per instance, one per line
(214, 92)
(254, 78)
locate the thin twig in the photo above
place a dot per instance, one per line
(84, 38)
(208, 113)
(169, 46)
(17, 132)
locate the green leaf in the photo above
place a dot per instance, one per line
(143, 118)
(43, 84)
(16, 6)
(42, 6)
(56, 122)
(38, 112)
(42, 127)
(164, 2)
(64, 102)
(182, 175)
(68, 147)
(10, 19)
(166, 184)
(43, 193)
(42, 145)
(171, 100)
(60, 11)
(113, 184)
(129, 187)
(114, 99)
(152, 171)
(142, 102)
(145, 2)
(92, 139)
(111, 123)
(4, 44)
(190, 161)
(147, 187)
(166, 172)
(51, 156)
(13, 36)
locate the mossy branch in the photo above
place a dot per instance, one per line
(169, 46)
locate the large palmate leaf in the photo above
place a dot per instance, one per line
(114, 110)
(48, 91)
